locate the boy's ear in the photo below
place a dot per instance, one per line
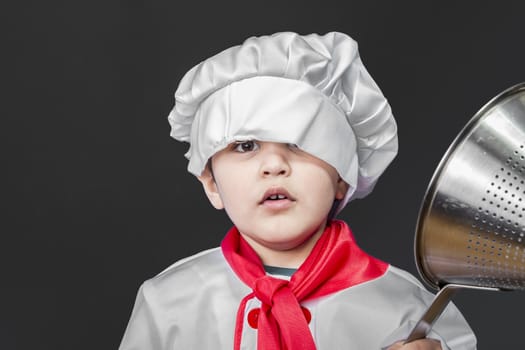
(342, 187)
(210, 187)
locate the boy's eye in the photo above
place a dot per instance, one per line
(245, 146)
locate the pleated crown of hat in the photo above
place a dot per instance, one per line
(309, 90)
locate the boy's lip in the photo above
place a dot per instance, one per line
(276, 191)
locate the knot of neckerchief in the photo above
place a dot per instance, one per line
(266, 287)
(335, 263)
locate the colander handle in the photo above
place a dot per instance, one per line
(435, 309)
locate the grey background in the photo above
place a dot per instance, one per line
(95, 194)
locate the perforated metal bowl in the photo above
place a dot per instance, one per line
(471, 225)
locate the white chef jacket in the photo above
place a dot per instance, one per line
(193, 305)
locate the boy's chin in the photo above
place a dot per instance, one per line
(282, 240)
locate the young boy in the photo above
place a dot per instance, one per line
(284, 130)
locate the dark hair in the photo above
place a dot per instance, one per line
(333, 211)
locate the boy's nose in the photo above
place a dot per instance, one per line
(275, 160)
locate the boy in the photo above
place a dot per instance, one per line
(284, 130)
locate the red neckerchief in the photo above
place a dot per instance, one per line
(335, 263)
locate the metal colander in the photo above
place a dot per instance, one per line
(471, 225)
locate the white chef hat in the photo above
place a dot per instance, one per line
(309, 90)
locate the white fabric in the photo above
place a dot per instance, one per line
(312, 91)
(193, 305)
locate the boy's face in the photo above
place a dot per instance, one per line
(276, 194)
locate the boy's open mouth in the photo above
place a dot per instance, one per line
(276, 194)
(276, 197)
